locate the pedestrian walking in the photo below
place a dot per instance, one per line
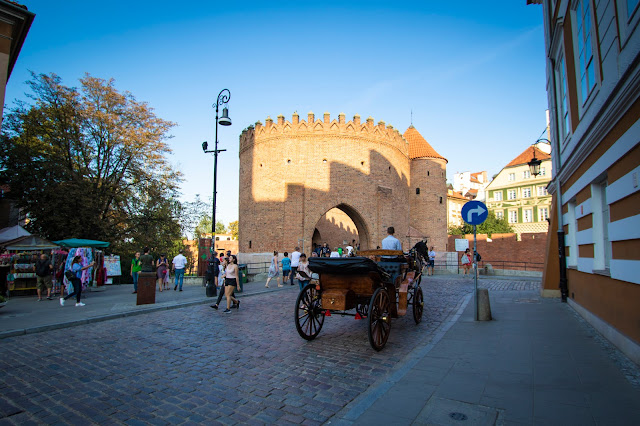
(162, 271)
(136, 267)
(295, 260)
(286, 268)
(43, 270)
(76, 281)
(465, 260)
(221, 287)
(274, 271)
(213, 268)
(231, 282)
(179, 263)
(304, 273)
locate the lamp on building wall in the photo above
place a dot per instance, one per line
(223, 99)
(534, 164)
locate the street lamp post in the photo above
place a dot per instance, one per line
(534, 167)
(223, 99)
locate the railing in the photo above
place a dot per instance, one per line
(495, 264)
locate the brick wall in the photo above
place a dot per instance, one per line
(429, 208)
(505, 247)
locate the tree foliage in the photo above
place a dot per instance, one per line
(89, 162)
(491, 226)
(233, 229)
(193, 213)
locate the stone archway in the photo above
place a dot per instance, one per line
(339, 226)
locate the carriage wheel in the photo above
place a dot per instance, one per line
(418, 304)
(309, 313)
(379, 319)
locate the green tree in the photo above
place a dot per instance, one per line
(491, 226)
(220, 228)
(233, 229)
(203, 227)
(89, 162)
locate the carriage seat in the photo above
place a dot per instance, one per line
(393, 268)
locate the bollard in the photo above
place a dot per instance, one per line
(484, 307)
(146, 288)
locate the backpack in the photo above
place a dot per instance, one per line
(478, 257)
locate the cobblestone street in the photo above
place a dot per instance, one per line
(196, 364)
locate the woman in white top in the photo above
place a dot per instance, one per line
(231, 282)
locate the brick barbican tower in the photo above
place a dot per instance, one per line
(305, 182)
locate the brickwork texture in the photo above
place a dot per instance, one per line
(293, 173)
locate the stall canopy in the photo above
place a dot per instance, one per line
(12, 233)
(78, 242)
(28, 243)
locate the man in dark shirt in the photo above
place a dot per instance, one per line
(147, 261)
(213, 268)
(325, 251)
(43, 276)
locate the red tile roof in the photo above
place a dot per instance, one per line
(527, 155)
(418, 146)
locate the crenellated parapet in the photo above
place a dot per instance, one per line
(325, 128)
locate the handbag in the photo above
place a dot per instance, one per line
(69, 274)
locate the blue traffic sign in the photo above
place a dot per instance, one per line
(474, 212)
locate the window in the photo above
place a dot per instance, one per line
(527, 215)
(563, 110)
(417, 191)
(526, 174)
(600, 208)
(543, 171)
(542, 191)
(513, 216)
(512, 177)
(526, 192)
(511, 194)
(497, 195)
(499, 214)
(585, 48)
(543, 214)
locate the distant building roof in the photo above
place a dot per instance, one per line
(527, 155)
(418, 146)
(456, 195)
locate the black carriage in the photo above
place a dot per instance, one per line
(379, 285)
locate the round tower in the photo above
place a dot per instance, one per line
(293, 174)
(427, 192)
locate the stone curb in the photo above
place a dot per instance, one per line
(100, 318)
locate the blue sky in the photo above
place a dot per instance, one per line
(472, 72)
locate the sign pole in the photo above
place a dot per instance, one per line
(474, 213)
(475, 270)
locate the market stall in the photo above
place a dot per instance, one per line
(23, 253)
(89, 251)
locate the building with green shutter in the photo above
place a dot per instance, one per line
(520, 197)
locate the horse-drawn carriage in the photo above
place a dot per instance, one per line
(378, 284)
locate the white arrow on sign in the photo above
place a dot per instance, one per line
(478, 210)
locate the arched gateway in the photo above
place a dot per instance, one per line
(336, 181)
